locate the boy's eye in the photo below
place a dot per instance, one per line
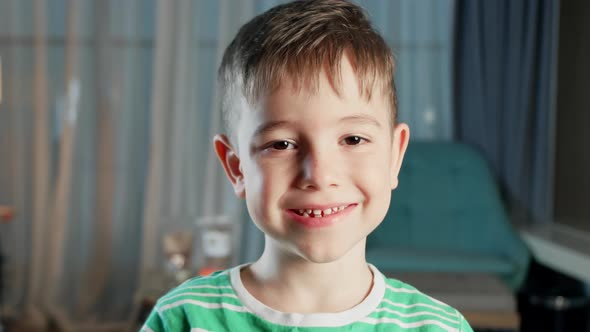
(282, 145)
(353, 140)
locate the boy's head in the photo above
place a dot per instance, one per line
(309, 102)
(298, 40)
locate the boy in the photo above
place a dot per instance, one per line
(314, 148)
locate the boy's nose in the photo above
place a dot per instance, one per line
(319, 171)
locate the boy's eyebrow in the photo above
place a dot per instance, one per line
(267, 126)
(361, 118)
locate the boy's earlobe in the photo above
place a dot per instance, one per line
(401, 137)
(230, 161)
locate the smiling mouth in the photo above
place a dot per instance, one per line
(320, 213)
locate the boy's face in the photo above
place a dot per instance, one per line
(316, 169)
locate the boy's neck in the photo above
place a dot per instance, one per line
(310, 287)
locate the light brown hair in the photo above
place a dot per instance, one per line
(297, 41)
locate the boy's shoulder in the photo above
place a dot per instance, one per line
(402, 292)
(204, 291)
(217, 282)
(186, 306)
(405, 303)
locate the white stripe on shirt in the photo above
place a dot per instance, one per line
(206, 305)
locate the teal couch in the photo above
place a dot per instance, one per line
(447, 216)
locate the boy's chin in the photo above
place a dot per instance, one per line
(324, 255)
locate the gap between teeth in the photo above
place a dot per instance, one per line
(320, 213)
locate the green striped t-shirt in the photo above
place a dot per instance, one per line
(220, 302)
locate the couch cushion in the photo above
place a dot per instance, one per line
(447, 215)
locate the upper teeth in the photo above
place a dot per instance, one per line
(317, 213)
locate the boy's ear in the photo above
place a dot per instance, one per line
(231, 163)
(401, 137)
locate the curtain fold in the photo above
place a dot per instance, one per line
(42, 162)
(505, 73)
(73, 125)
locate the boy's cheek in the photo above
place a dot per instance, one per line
(260, 181)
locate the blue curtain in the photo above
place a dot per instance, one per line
(505, 74)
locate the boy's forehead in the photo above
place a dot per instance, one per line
(343, 83)
(292, 101)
